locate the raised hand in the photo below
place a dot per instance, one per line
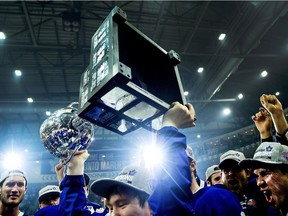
(271, 104)
(76, 164)
(263, 123)
(180, 116)
(274, 107)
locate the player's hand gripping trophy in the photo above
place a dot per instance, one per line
(64, 133)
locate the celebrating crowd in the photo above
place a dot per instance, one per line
(237, 186)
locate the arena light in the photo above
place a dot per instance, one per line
(200, 70)
(11, 161)
(152, 156)
(222, 36)
(264, 73)
(18, 72)
(30, 100)
(131, 81)
(2, 35)
(226, 111)
(71, 21)
(240, 96)
(48, 113)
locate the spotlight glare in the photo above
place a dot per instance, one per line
(226, 111)
(240, 96)
(2, 36)
(200, 70)
(12, 161)
(264, 73)
(152, 156)
(222, 36)
(18, 73)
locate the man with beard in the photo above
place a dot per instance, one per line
(213, 175)
(13, 187)
(240, 181)
(270, 164)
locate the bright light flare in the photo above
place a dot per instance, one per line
(11, 161)
(240, 96)
(226, 111)
(200, 70)
(2, 36)
(152, 155)
(222, 36)
(18, 72)
(30, 100)
(264, 73)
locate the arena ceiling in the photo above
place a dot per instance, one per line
(52, 60)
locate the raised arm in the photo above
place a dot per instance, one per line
(73, 197)
(263, 123)
(274, 107)
(171, 192)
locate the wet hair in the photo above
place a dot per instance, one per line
(123, 190)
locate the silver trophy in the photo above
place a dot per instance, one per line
(64, 133)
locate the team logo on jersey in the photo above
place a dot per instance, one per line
(251, 202)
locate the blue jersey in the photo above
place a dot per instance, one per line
(73, 199)
(171, 187)
(216, 200)
(48, 210)
(172, 195)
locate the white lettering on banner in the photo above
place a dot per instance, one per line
(92, 166)
(110, 165)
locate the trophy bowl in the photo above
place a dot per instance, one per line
(64, 133)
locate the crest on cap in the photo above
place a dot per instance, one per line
(136, 177)
(268, 153)
(230, 155)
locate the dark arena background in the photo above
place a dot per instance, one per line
(48, 43)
